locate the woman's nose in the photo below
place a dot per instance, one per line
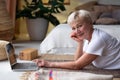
(76, 30)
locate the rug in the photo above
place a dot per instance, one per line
(43, 74)
(90, 69)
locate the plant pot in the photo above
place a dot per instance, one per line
(37, 28)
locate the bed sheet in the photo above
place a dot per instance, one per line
(113, 30)
(58, 40)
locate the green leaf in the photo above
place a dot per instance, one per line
(36, 9)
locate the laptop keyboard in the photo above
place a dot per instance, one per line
(25, 66)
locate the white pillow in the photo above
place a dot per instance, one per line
(109, 2)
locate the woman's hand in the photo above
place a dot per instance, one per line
(42, 63)
(75, 37)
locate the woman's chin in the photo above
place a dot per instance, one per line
(81, 37)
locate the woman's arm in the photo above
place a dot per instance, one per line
(79, 51)
(81, 62)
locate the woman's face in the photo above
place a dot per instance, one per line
(81, 29)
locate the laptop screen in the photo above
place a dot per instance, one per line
(11, 53)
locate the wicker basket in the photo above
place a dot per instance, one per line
(3, 55)
(7, 34)
(6, 24)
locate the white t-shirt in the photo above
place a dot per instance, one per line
(107, 47)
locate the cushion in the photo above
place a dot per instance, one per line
(85, 6)
(109, 2)
(106, 14)
(115, 7)
(94, 15)
(101, 8)
(106, 21)
(116, 14)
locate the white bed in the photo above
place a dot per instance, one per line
(58, 40)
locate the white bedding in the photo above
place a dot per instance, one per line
(113, 30)
(58, 40)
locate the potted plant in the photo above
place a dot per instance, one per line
(36, 9)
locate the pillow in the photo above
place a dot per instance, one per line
(106, 21)
(106, 14)
(115, 7)
(94, 15)
(87, 6)
(101, 8)
(109, 2)
(116, 15)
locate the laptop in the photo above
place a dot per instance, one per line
(18, 66)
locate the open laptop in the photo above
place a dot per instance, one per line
(18, 66)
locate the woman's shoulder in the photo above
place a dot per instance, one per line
(100, 32)
(103, 34)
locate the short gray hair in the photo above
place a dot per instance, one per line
(86, 15)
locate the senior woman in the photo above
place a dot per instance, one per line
(94, 45)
